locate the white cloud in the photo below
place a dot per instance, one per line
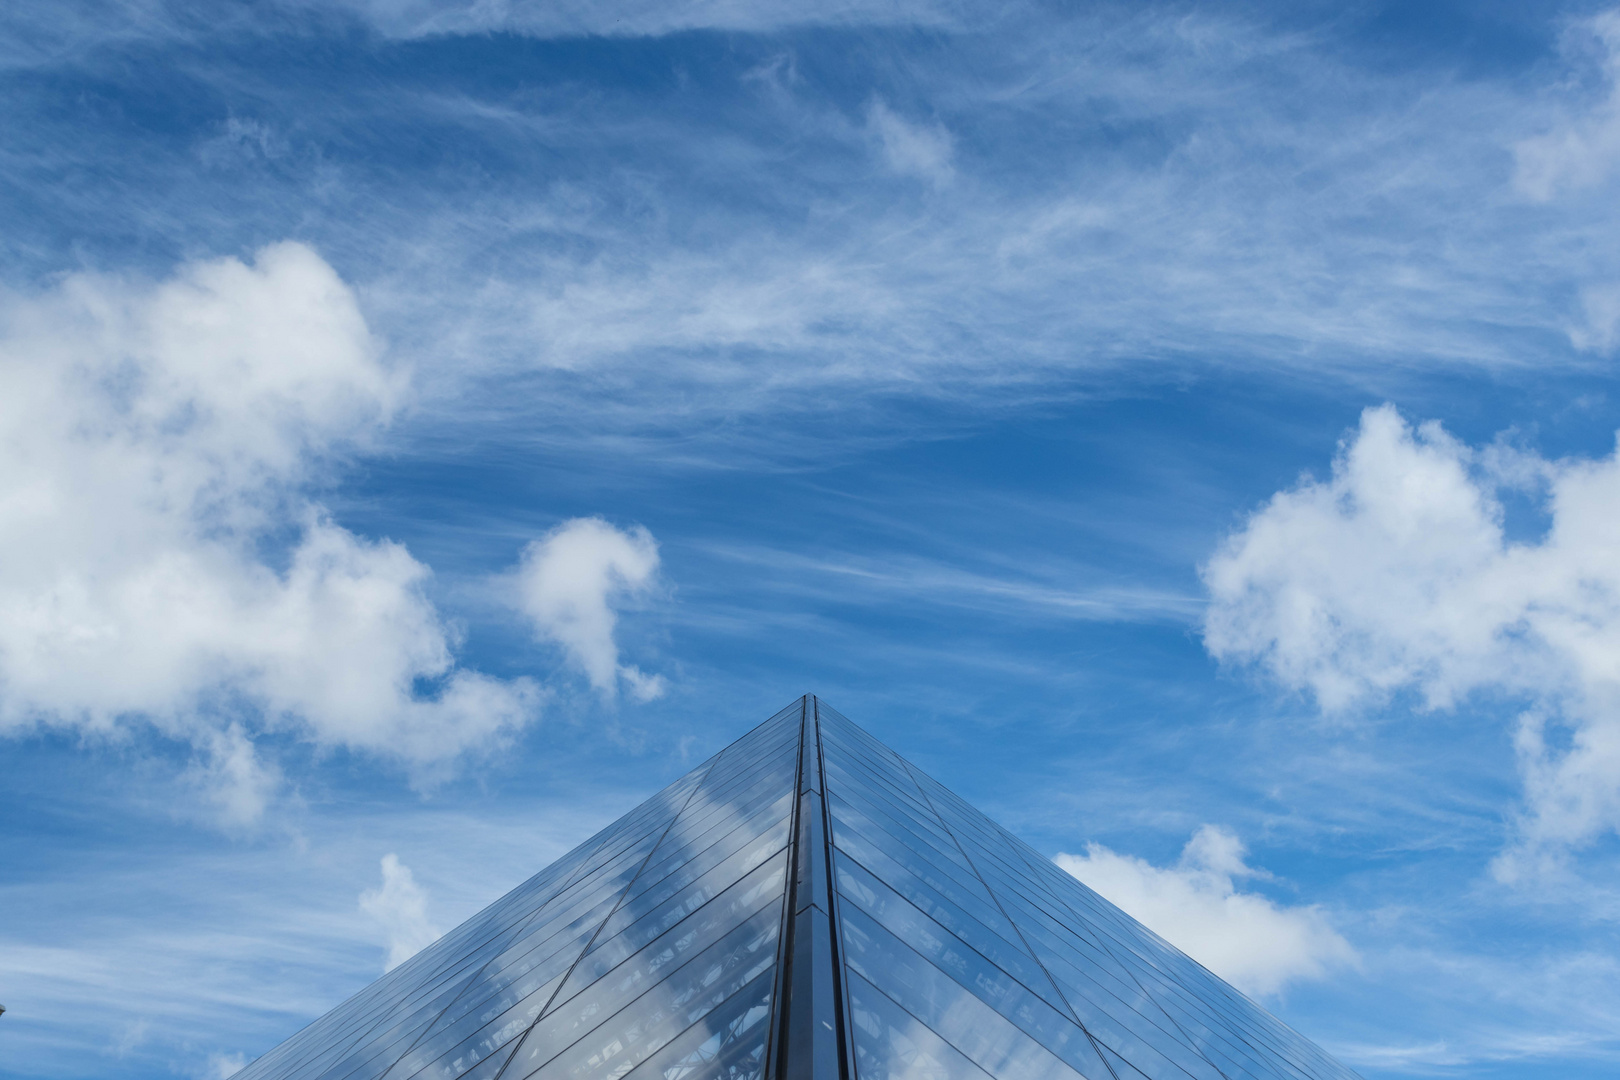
(1583, 150)
(172, 953)
(157, 446)
(636, 18)
(1396, 573)
(568, 584)
(224, 1066)
(1178, 224)
(233, 777)
(1245, 938)
(1600, 305)
(399, 906)
(909, 149)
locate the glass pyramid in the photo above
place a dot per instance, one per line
(805, 905)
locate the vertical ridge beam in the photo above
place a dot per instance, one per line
(811, 1036)
(776, 1049)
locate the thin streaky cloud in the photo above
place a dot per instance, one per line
(856, 579)
(1230, 227)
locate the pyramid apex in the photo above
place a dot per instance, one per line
(805, 905)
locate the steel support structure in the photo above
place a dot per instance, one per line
(810, 1037)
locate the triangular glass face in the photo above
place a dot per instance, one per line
(970, 954)
(803, 906)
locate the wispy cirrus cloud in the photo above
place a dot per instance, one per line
(1581, 149)
(214, 951)
(1218, 223)
(1045, 590)
(1229, 192)
(1524, 1009)
(643, 18)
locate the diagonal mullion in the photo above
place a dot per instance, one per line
(1016, 929)
(517, 1044)
(528, 920)
(385, 1016)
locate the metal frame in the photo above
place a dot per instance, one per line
(810, 1037)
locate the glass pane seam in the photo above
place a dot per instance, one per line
(978, 1070)
(930, 1028)
(1016, 929)
(1021, 1025)
(1188, 1041)
(776, 1021)
(517, 1043)
(516, 936)
(968, 945)
(630, 1004)
(661, 935)
(987, 916)
(845, 1031)
(687, 1030)
(687, 886)
(933, 894)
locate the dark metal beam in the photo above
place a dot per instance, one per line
(810, 1038)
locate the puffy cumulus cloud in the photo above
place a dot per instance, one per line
(399, 907)
(156, 445)
(568, 584)
(1582, 150)
(1396, 573)
(1245, 938)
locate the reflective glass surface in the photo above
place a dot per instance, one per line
(948, 950)
(971, 954)
(652, 901)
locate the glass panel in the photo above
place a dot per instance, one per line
(526, 994)
(768, 805)
(762, 887)
(750, 834)
(647, 922)
(471, 1039)
(933, 997)
(458, 1049)
(689, 838)
(685, 996)
(878, 852)
(891, 1044)
(1122, 1068)
(948, 915)
(1056, 1031)
(358, 1043)
(1147, 990)
(1098, 978)
(727, 1044)
(366, 1034)
(893, 789)
(864, 813)
(372, 1056)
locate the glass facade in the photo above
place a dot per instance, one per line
(806, 905)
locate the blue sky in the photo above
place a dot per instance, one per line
(1185, 430)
